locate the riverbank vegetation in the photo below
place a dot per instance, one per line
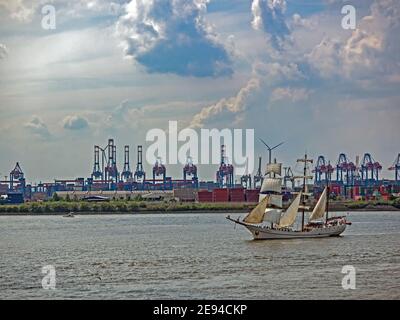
(119, 206)
(363, 204)
(56, 205)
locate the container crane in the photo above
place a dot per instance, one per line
(396, 168)
(225, 171)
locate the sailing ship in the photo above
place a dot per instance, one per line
(268, 220)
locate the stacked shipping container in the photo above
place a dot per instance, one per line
(98, 186)
(236, 195)
(252, 195)
(204, 196)
(186, 194)
(220, 195)
(228, 195)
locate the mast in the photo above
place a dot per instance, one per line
(271, 175)
(327, 200)
(303, 207)
(272, 188)
(303, 202)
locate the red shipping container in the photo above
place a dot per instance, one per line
(221, 195)
(205, 200)
(236, 195)
(236, 190)
(252, 195)
(238, 199)
(204, 193)
(220, 199)
(205, 196)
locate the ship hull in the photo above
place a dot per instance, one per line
(266, 233)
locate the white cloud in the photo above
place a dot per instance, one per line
(25, 10)
(236, 104)
(277, 72)
(172, 37)
(265, 76)
(124, 115)
(38, 127)
(298, 21)
(325, 58)
(96, 6)
(268, 15)
(75, 122)
(3, 51)
(291, 94)
(372, 50)
(21, 10)
(81, 71)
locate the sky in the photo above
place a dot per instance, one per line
(117, 69)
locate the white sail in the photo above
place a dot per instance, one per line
(272, 215)
(274, 168)
(275, 201)
(289, 217)
(257, 214)
(320, 207)
(271, 185)
(261, 196)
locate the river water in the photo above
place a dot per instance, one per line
(193, 256)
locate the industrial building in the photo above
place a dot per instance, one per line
(347, 179)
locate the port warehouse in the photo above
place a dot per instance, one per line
(347, 180)
(184, 195)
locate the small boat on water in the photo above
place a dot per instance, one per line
(268, 221)
(69, 215)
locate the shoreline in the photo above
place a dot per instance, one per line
(142, 207)
(193, 211)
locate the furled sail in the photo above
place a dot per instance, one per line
(289, 217)
(257, 214)
(320, 207)
(272, 215)
(274, 168)
(271, 185)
